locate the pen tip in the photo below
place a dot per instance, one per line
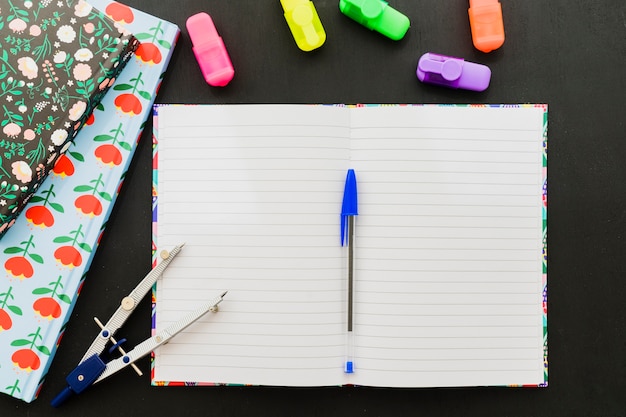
(223, 294)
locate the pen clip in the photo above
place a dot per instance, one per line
(350, 206)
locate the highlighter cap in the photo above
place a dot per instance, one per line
(453, 72)
(210, 51)
(486, 24)
(304, 23)
(377, 15)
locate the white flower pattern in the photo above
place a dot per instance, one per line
(77, 110)
(28, 66)
(48, 90)
(58, 137)
(66, 34)
(83, 55)
(59, 57)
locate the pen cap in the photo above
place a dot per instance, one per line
(453, 72)
(377, 15)
(304, 23)
(486, 23)
(210, 51)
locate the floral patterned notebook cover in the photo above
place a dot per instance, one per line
(57, 61)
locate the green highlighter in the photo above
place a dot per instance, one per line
(377, 15)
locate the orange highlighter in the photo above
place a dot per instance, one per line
(486, 22)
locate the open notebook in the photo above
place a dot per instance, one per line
(450, 277)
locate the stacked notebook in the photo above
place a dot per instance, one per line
(47, 251)
(57, 62)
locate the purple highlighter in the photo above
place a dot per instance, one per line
(453, 72)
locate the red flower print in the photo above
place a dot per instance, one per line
(27, 359)
(5, 319)
(67, 255)
(89, 205)
(47, 307)
(128, 104)
(40, 215)
(63, 167)
(109, 154)
(148, 53)
(19, 266)
(119, 12)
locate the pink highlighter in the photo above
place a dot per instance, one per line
(210, 51)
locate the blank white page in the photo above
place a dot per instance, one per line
(448, 274)
(448, 246)
(255, 193)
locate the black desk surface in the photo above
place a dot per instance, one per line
(570, 54)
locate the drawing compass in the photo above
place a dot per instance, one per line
(93, 369)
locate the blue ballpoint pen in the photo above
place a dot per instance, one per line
(349, 211)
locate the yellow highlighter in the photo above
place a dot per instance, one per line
(304, 23)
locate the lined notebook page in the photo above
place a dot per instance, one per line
(449, 246)
(449, 239)
(255, 194)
